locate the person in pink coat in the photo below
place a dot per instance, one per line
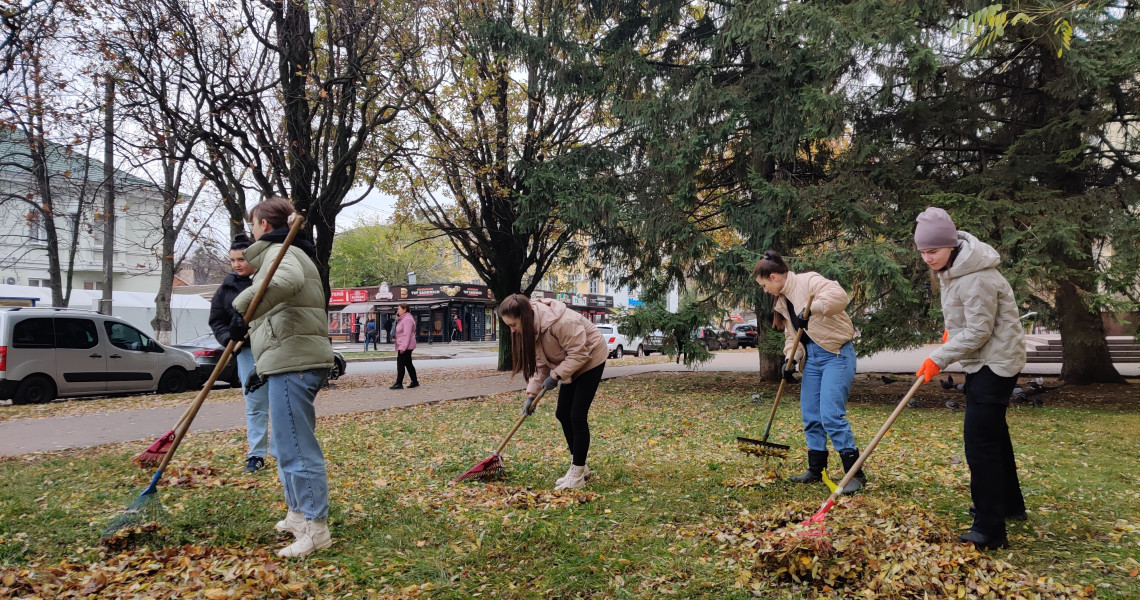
(551, 345)
(405, 338)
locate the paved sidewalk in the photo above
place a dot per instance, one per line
(58, 433)
(82, 431)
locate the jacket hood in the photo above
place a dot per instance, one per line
(546, 312)
(973, 255)
(277, 236)
(238, 281)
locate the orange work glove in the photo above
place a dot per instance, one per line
(945, 335)
(929, 369)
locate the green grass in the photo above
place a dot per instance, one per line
(372, 354)
(663, 455)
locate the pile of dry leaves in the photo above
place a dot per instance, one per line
(874, 550)
(463, 497)
(185, 572)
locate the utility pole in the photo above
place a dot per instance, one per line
(109, 200)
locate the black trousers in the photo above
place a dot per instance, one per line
(574, 400)
(994, 487)
(404, 361)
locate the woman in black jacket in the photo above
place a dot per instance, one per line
(221, 315)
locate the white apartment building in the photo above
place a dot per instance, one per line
(78, 192)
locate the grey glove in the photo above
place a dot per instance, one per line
(528, 406)
(254, 381)
(550, 383)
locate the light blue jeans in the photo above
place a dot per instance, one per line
(823, 397)
(256, 407)
(300, 460)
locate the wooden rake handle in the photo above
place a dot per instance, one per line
(233, 345)
(780, 390)
(519, 422)
(874, 442)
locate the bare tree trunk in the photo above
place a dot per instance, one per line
(109, 202)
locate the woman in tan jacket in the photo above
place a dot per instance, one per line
(828, 363)
(551, 344)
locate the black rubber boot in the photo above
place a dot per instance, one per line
(817, 462)
(849, 457)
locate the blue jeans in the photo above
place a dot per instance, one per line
(300, 461)
(370, 338)
(256, 407)
(823, 397)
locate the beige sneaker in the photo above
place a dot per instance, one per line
(563, 479)
(314, 536)
(575, 479)
(293, 523)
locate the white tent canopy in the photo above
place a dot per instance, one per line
(190, 314)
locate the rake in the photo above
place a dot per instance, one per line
(152, 456)
(492, 466)
(814, 526)
(147, 505)
(762, 446)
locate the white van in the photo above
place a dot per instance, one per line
(47, 353)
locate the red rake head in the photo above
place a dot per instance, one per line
(152, 456)
(489, 467)
(814, 527)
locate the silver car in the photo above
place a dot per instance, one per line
(47, 353)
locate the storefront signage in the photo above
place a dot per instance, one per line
(347, 296)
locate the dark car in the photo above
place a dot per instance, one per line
(745, 335)
(207, 351)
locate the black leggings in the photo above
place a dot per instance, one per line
(404, 361)
(574, 400)
(994, 486)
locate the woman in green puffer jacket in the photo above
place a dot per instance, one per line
(291, 349)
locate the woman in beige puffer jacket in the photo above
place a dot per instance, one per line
(983, 334)
(828, 360)
(551, 345)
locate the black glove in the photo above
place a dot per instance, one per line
(790, 371)
(238, 329)
(803, 316)
(254, 381)
(550, 383)
(528, 406)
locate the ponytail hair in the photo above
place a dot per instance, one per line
(277, 211)
(771, 263)
(517, 306)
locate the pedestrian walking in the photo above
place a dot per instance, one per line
(552, 344)
(983, 333)
(289, 335)
(370, 335)
(222, 313)
(828, 359)
(405, 343)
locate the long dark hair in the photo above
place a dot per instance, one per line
(771, 263)
(517, 306)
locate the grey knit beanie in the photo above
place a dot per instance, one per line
(935, 229)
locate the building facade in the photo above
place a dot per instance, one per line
(76, 183)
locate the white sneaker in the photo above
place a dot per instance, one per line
(315, 536)
(293, 523)
(563, 479)
(575, 479)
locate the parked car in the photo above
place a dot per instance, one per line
(713, 339)
(618, 343)
(654, 342)
(48, 353)
(745, 334)
(207, 351)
